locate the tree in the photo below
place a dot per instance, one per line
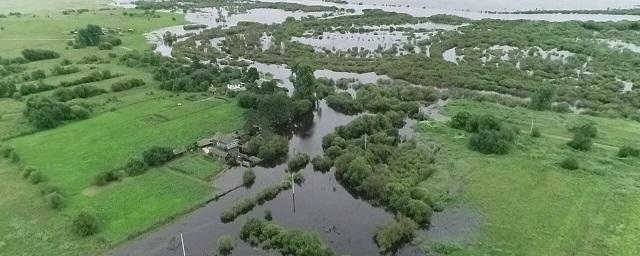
(304, 82)
(321, 163)
(252, 75)
(43, 112)
(276, 110)
(491, 142)
(85, 224)
(225, 245)
(542, 98)
(156, 156)
(298, 162)
(89, 36)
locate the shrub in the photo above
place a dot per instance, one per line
(298, 162)
(135, 166)
(321, 163)
(104, 178)
(248, 177)
(580, 141)
(570, 163)
(54, 200)
(85, 224)
(156, 156)
(36, 177)
(39, 54)
(343, 103)
(542, 98)
(225, 245)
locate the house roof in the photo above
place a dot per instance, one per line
(225, 138)
(204, 142)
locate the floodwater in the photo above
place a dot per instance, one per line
(320, 204)
(335, 41)
(475, 9)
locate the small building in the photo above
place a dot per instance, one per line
(236, 86)
(179, 151)
(218, 153)
(226, 141)
(204, 143)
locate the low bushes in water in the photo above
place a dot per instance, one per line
(248, 177)
(298, 162)
(268, 235)
(321, 163)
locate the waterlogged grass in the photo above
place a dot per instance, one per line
(531, 206)
(196, 165)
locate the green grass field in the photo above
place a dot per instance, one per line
(122, 125)
(529, 205)
(196, 165)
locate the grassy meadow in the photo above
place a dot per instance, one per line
(123, 125)
(528, 205)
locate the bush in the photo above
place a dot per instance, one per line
(39, 54)
(570, 163)
(248, 177)
(36, 177)
(48, 189)
(135, 166)
(6, 151)
(38, 74)
(85, 224)
(27, 171)
(298, 162)
(321, 163)
(54, 200)
(492, 141)
(105, 46)
(127, 84)
(225, 245)
(268, 215)
(240, 208)
(104, 178)
(156, 156)
(580, 141)
(627, 151)
(535, 132)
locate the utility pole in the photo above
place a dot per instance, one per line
(365, 141)
(182, 243)
(293, 187)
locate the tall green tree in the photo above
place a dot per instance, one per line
(304, 82)
(542, 98)
(89, 36)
